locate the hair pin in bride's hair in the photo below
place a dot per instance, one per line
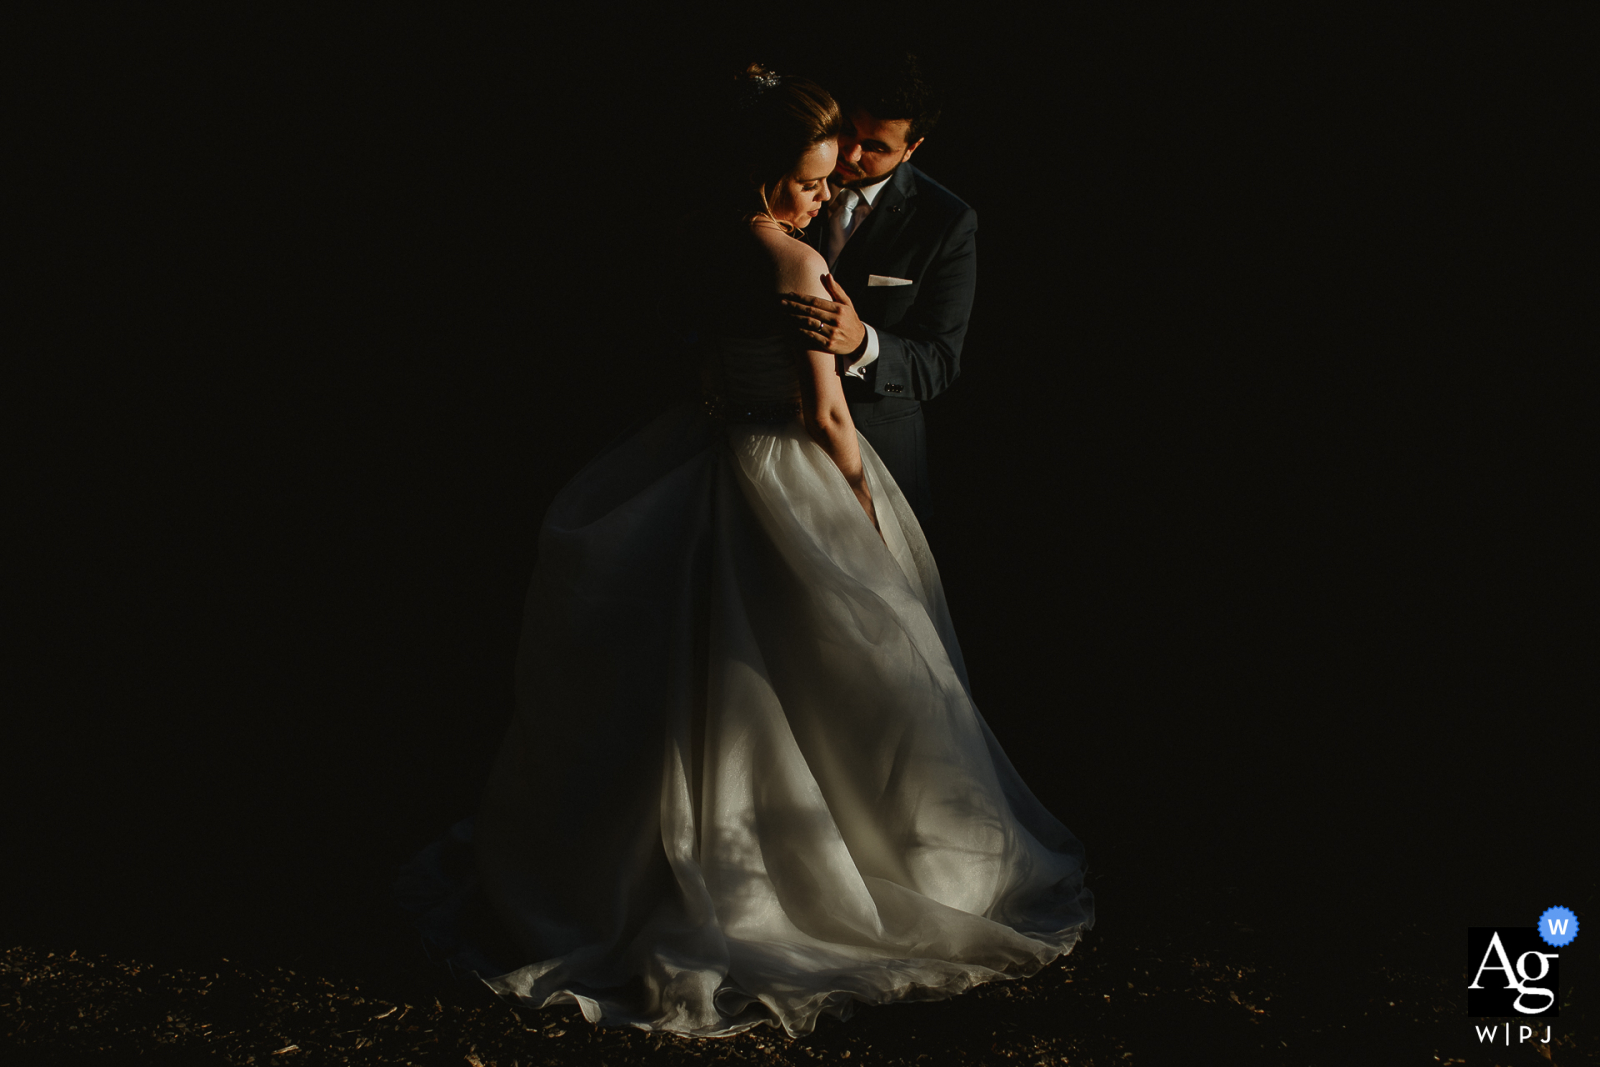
(752, 85)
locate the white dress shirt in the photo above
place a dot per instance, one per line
(846, 212)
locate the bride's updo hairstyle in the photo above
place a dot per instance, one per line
(777, 118)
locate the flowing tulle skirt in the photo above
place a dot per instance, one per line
(746, 782)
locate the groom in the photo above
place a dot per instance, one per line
(903, 254)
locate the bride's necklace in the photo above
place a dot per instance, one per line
(788, 229)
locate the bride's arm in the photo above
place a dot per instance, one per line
(828, 421)
(823, 406)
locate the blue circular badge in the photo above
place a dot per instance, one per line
(1558, 926)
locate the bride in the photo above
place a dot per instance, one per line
(745, 782)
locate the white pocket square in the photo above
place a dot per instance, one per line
(884, 279)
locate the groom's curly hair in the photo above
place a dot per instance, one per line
(891, 89)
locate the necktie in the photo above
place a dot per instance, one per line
(842, 223)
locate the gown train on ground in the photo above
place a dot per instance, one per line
(746, 782)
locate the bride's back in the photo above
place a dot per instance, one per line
(741, 269)
(749, 350)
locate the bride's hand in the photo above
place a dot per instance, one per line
(863, 493)
(827, 325)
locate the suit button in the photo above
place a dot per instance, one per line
(891, 388)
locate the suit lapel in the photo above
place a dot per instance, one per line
(890, 213)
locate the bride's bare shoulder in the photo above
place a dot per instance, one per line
(797, 267)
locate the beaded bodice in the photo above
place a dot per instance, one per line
(751, 379)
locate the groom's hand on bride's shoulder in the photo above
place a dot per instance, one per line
(827, 325)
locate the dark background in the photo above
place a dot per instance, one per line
(1254, 505)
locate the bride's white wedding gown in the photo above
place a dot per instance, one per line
(746, 781)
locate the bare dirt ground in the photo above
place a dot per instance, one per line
(1234, 995)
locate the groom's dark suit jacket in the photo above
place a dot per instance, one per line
(917, 229)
